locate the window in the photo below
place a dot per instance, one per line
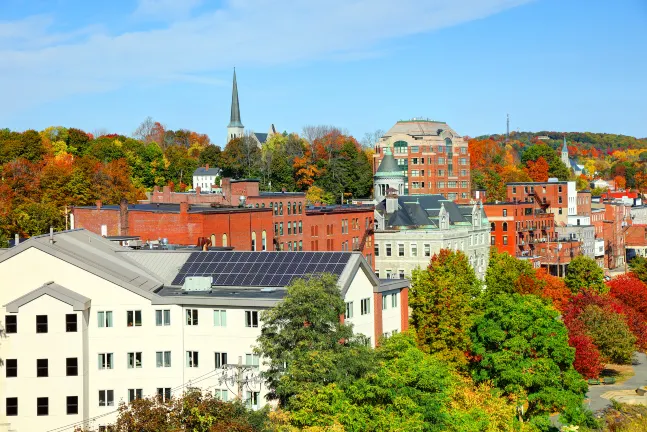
(415, 173)
(505, 240)
(300, 245)
(12, 368)
(492, 240)
(41, 323)
(71, 366)
(106, 398)
(280, 208)
(365, 306)
(192, 359)
(42, 368)
(463, 173)
(70, 323)
(72, 405)
(414, 149)
(192, 317)
(251, 399)
(294, 208)
(505, 212)
(414, 249)
(385, 302)
(400, 249)
(427, 249)
(42, 406)
(222, 394)
(12, 406)
(253, 240)
(401, 274)
(163, 317)
(105, 361)
(388, 273)
(135, 394)
(11, 324)
(221, 359)
(504, 226)
(224, 240)
(463, 184)
(220, 318)
(514, 189)
(134, 318)
(251, 318)
(300, 227)
(394, 300)
(164, 393)
(281, 228)
(264, 240)
(289, 227)
(559, 189)
(289, 208)
(134, 360)
(252, 360)
(376, 249)
(105, 318)
(163, 359)
(349, 310)
(451, 184)
(463, 150)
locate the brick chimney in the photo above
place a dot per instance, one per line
(184, 207)
(123, 217)
(198, 189)
(98, 203)
(206, 167)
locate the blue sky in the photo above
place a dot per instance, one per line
(564, 65)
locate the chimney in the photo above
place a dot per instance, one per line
(391, 204)
(123, 217)
(198, 189)
(98, 204)
(51, 235)
(17, 240)
(206, 167)
(184, 207)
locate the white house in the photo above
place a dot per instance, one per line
(206, 178)
(89, 323)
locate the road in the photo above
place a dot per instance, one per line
(639, 379)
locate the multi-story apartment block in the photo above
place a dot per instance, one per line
(557, 197)
(97, 323)
(433, 158)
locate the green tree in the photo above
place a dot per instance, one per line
(211, 155)
(521, 347)
(179, 165)
(556, 167)
(441, 300)
(36, 218)
(305, 333)
(583, 273)
(77, 141)
(610, 333)
(638, 266)
(505, 273)
(241, 158)
(32, 146)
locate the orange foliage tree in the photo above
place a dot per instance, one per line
(620, 182)
(538, 170)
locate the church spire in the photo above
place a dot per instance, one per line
(235, 108)
(564, 147)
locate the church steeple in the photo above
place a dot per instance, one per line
(565, 153)
(235, 129)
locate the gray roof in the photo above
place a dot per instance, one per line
(76, 300)
(164, 264)
(389, 166)
(203, 171)
(419, 128)
(235, 108)
(422, 210)
(261, 137)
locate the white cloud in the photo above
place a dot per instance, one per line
(48, 66)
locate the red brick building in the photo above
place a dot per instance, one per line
(433, 158)
(614, 224)
(240, 228)
(552, 196)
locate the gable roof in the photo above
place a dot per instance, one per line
(77, 301)
(203, 171)
(260, 137)
(94, 254)
(423, 210)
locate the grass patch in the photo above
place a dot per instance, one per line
(625, 418)
(620, 372)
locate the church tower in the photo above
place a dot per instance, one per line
(565, 154)
(235, 129)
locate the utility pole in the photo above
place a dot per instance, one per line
(239, 378)
(507, 133)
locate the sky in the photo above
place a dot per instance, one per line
(360, 65)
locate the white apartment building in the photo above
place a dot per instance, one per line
(411, 229)
(90, 324)
(206, 178)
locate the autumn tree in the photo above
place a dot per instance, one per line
(631, 291)
(442, 306)
(620, 182)
(538, 169)
(583, 273)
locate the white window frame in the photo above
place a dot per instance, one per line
(134, 360)
(133, 314)
(426, 249)
(104, 319)
(251, 319)
(220, 359)
(413, 249)
(107, 397)
(348, 313)
(192, 317)
(252, 360)
(106, 361)
(220, 318)
(192, 359)
(162, 317)
(135, 394)
(163, 359)
(365, 306)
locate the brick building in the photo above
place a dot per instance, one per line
(636, 241)
(431, 155)
(241, 228)
(557, 197)
(615, 221)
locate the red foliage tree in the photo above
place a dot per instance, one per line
(630, 291)
(554, 288)
(538, 170)
(587, 357)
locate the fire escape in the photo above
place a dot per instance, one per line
(362, 243)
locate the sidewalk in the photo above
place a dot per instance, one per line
(600, 395)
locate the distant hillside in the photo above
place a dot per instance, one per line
(583, 140)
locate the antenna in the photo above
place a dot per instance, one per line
(507, 133)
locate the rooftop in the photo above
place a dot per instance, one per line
(175, 208)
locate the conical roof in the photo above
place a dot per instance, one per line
(389, 166)
(564, 147)
(235, 109)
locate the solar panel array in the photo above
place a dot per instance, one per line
(263, 269)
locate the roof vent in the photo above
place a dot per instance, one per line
(268, 289)
(197, 283)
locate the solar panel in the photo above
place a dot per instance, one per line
(260, 268)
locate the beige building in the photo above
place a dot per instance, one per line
(432, 156)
